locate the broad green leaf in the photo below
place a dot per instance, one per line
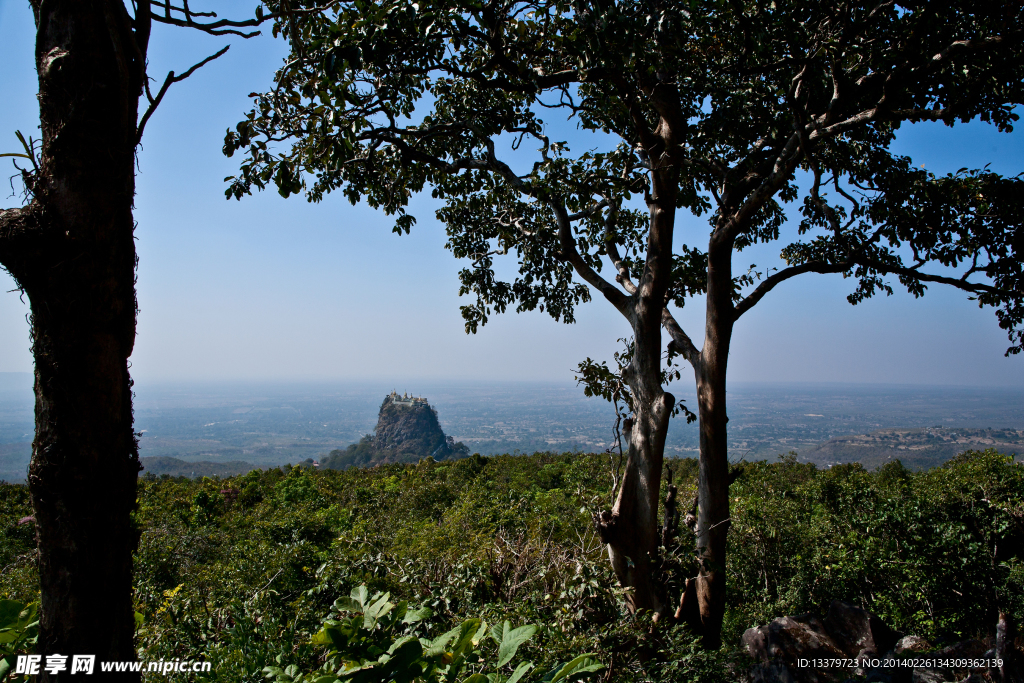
(464, 640)
(360, 594)
(583, 664)
(375, 611)
(479, 635)
(409, 652)
(402, 641)
(347, 605)
(437, 647)
(414, 615)
(520, 671)
(511, 639)
(476, 678)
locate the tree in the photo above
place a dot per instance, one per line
(71, 250)
(727, 110)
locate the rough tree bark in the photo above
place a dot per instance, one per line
(72, 252)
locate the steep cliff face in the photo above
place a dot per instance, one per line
(407, 431)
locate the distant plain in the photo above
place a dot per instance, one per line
(268, 425)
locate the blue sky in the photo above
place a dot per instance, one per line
(273, 289)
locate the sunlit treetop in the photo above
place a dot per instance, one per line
(729, 109)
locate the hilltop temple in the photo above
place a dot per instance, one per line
(406, 399)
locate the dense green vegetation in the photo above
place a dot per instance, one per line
(246, 571)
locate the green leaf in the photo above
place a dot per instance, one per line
(520, 671)
(359, 594)
(377, 610)
(577, 668)
(466, 633)
(480, 633)
(476, 678)
(511, 639)
(414, 615)
(347, 605)
(405, 655)
(437, 647)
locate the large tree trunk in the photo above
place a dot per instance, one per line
(713, 482)
(631, 528)
(72, 251)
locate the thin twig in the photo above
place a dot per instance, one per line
(171, 78)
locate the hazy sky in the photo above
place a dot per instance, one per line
(269, 288)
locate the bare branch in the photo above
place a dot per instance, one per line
(770, 282)
(572, 255)
(171, 78)
(217, 28)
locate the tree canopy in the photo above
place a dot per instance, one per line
(382, 100)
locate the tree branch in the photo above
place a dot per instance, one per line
(770, 282)
(572, 255)
(217, 28)
(960, 283)
(681, 342)
(611, 246)
(171, 78)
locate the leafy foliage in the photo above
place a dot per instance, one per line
(19, 632)
(422, 550)
(378, 643)
(733, 102)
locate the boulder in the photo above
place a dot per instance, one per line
(785, 651)
(912, 644)
(786, 648)
(857, 632)
(968, 649)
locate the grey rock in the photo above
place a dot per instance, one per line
(785, 641)
(912, 644)
(857, 632)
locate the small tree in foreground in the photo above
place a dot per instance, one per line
(71, 250)
(727, 110)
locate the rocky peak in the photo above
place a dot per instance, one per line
(407, 431)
